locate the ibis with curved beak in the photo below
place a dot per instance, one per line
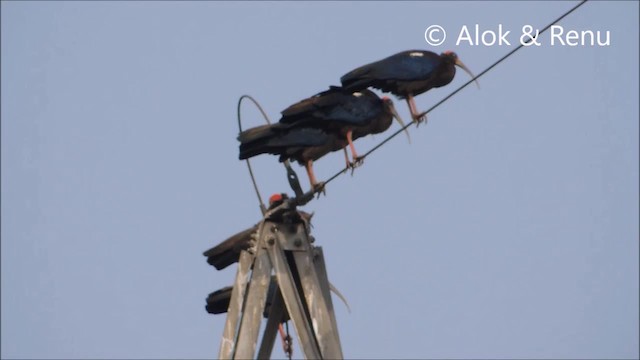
(407, 74)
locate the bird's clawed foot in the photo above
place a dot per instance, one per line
(419, 118)
(319, 189)
(349, 165)
(357, 161)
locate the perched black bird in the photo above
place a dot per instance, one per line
(218, 301)
(406, 74)
(228, 251)
(305, 145)
(314, 127)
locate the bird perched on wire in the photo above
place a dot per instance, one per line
(406, 74)
(326, 122)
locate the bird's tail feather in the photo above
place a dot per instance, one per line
(253, 141)
(357, 79)
(269, 139)
(256, 133)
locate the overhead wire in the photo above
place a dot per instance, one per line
(522, 44)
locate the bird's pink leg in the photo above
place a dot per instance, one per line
(354, 155)
(346, 157)
(312, 177)
(357, 160)
(417, 118)
(315, 186)
(409, 100)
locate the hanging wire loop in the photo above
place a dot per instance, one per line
(292, 177)
(263, 208)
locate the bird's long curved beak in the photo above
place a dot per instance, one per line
(395, 114)
(465, 68)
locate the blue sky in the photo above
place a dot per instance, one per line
(508, 228)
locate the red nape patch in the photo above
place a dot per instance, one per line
(274, 198)
(385, 98)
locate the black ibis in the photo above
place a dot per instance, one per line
(316, 126)
(228, 251)
(304, 145)
(406, 74)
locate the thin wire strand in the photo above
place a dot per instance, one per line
(462, 87)
(263, 208)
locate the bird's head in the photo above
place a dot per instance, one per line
(452, 57)
(391, 109)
